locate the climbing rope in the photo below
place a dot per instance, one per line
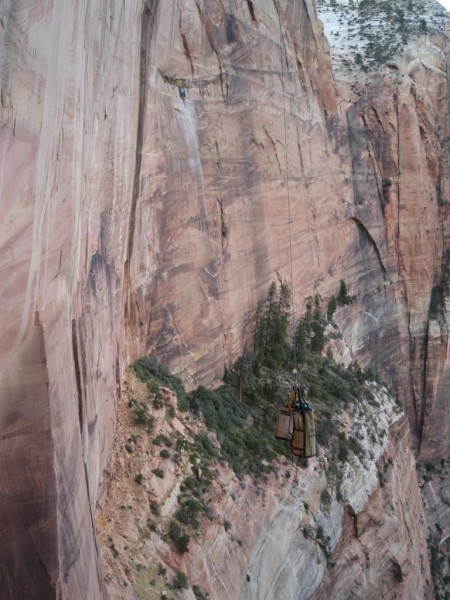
(283, 60)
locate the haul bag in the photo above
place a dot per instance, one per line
(304, 436)
(298, 438)
(285, 424)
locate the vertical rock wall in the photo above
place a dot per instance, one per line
(213, 191)
(69, 94)
(382, 549)
(145, 208)
(400, 165)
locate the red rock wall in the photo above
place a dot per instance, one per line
(382, 550)
(69, 89)
(213, 192)
(145, 209)
(397, 135)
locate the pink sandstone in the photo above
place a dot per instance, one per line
(145, 209)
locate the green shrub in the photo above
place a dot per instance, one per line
(158, 403)
(188, 512)
(154, 509)
(203, 443)
(148, 371)
(194, 487)
(342, 454)
(164, 453)
(162, 440)
(243, 447)
(112, 547)
(331, 309)
(320, 534)
(141, 414)
(158, 472)
(199, 593)
(179, 582)
(178, 536)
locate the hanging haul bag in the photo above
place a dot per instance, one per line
(298, 438)
(285, 424)
(304, 436)
(310, 434)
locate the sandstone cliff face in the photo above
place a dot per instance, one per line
(280, 536)
(399, 171)
(145, 209)
(69, 93)
(392, 517)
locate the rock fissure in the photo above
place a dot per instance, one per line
(366, 235)
(251, 10)
(76, 364)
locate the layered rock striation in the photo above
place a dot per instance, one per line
(161, 163)
(282, 535)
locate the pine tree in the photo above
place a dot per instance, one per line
(343, 297)
(332, 305)
(303, 335)
(343, 293)
(270, 316)
(271, 329)
(318, 329)
(301, 341)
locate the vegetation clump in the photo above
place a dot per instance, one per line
(243, 427)
(189, 511)
(343, 298)
(378, 30)
(141, 414)
(178, 536)
(154, 508)
(272, 321)
(162, 440)
(180, 581)
(310, 333)
(151, 372)
(241, 414)
(158, 472)
(199, 593)
(112, 547)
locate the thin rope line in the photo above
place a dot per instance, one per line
(282, 46)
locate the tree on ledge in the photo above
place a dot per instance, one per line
(271, 329)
